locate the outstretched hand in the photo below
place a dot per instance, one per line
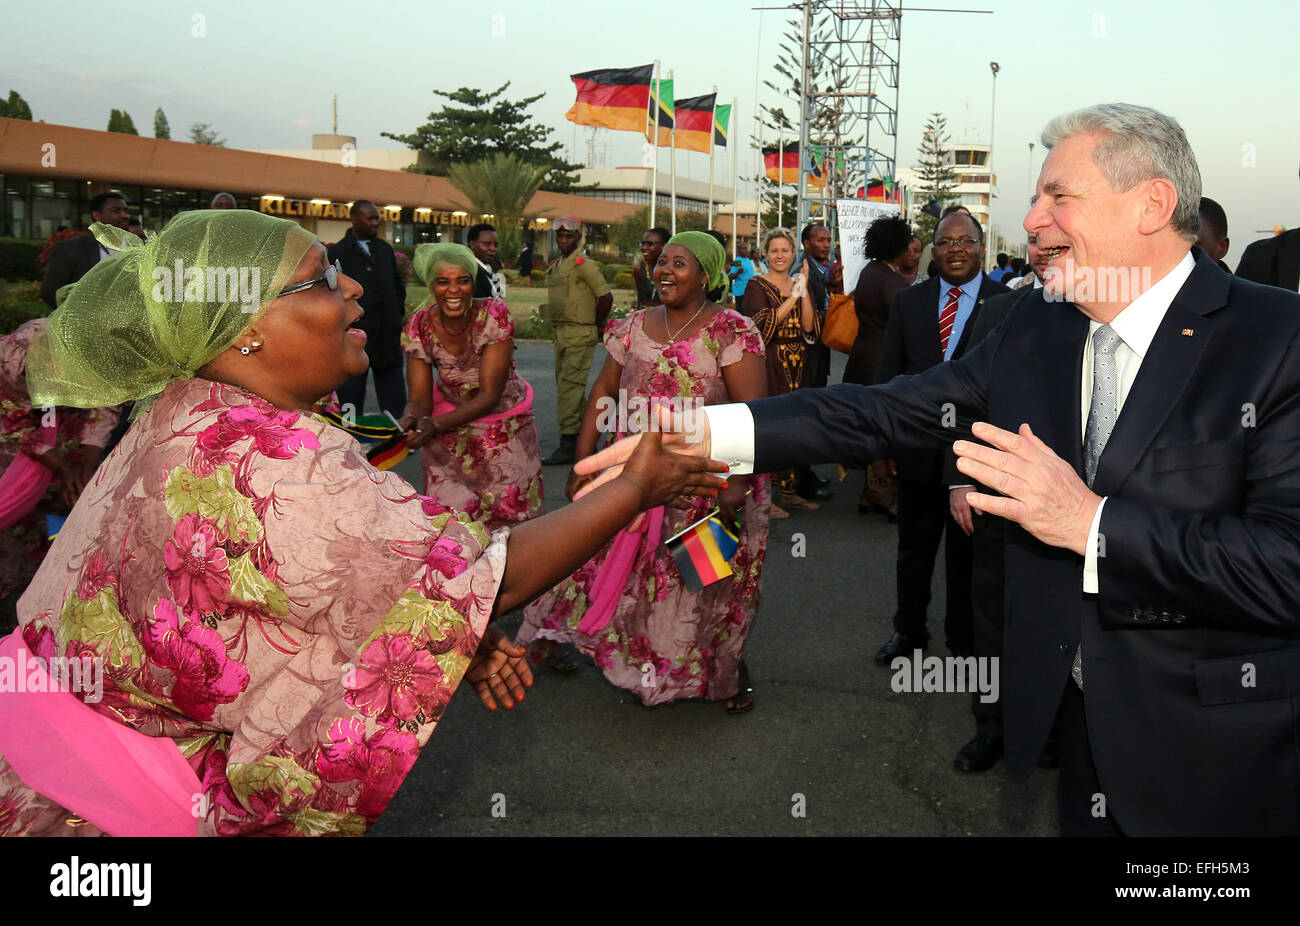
(665, 464)
(1040, 491)
(499, 671)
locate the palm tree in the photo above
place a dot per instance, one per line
(500, 186)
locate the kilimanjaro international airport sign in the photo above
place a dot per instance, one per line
(326, 209)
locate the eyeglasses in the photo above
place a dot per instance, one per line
(964, 243)
(330, 279)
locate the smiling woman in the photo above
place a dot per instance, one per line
(279, 624)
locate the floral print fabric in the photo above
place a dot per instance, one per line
(294, 619)
(23, 546)
(491, 471)
(665, 642)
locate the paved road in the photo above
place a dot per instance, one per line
(582, 758)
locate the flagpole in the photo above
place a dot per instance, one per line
(654, 141)
(732, 121)
(672, 153)
(780, 178)
(712, 117)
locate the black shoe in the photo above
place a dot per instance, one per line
(564, 454)
(899, 644)
(979, 755)
(815, 493)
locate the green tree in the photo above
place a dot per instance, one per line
(202, 133)
(500, 186)
(15, 107)
(478, 125)
(625, 234)
(119, 120)
(937, 178)
(160, 127)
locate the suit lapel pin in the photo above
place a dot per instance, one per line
(1188, 332)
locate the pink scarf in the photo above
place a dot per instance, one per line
(23, 485)
(442, 405)
(629, 546)
(116, 778)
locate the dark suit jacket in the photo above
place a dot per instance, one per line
(1273, 261)
(872, 300)
(911, 345)
(68, 262)
(384, 299)
(1192, 646)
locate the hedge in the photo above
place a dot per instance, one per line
(14, 313)
(18, 258)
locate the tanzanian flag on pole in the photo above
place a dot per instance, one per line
(662, 101)
(694, 117)
(702, 550)
(384, 442)
(721, 124)
(613, 98)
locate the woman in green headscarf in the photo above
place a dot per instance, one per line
(279, 625)
(474, 427)
(629, 607)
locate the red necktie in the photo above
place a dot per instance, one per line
(947, 318)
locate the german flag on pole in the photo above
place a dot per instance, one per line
(694, 118)
(663, 107)
(782, 164)
(613, 98)
(721, 123)
(702, 550)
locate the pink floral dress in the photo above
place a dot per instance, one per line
(665, 642)
(491, 471)
(292, 618)
(23, 546)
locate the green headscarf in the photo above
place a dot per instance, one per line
(155, 311)
(711, 255)
(429, 256)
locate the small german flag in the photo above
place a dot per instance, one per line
(721, 124)
(388, 454)
(694, 117)
(702, 550)
(612, 98)
(782, 164)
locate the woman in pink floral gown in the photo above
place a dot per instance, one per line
(662, 641)
(279, 625)
(478, 449)
(70, 446)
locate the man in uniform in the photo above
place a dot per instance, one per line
(578, 305)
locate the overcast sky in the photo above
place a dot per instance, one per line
(263, 74)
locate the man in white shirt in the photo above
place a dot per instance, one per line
(1143, 409)
(482, 240)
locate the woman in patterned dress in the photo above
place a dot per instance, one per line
(479, 448)
(278, 626)
(628, 608)
(783, 312)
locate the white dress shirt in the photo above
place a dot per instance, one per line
(732, 426)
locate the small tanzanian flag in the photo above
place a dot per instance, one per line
(721, 122)
(702, 550)
(368, 429)
(389, 453)
(661, 99)
(612, 98)
(782, 164)
(54, 524)
(694, 117)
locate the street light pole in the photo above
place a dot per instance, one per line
(993, 112)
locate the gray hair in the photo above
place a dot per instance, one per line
(1140, 144)
(774, 233)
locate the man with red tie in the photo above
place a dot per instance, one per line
(930, 324)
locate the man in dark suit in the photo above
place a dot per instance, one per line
(482, 240)
(1273, 261)
(1213, 236)
(824, 278)
(1142, 410)
(369, 260)
(987, 535)
(69, 260)
(928, 324)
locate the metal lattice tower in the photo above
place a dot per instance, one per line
(850, 99)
